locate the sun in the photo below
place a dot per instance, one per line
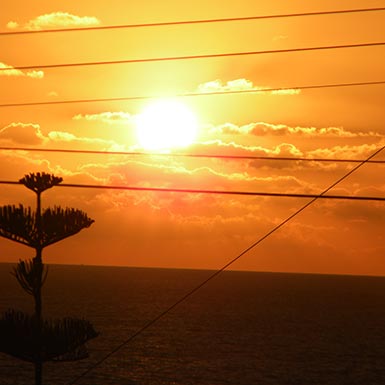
(166, 124)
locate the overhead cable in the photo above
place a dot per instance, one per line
(218, 272)
(192, 57)
(183, 22)
(191, 94)
(218, 192)
(189, 155)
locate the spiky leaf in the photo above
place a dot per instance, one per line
(19, 224)
(60, 339)
(31, 275)
(40, 182)
(58, 223)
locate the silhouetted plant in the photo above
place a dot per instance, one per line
(30, 337)
(58, 338)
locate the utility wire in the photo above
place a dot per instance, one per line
(206, 21)
(224, 192)
(217, 272)
(191, 57)
(218, 192)
(189, 155)
(248, 91)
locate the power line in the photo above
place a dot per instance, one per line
(217, 192)
(224, 192)
(217, 272)
(189, 155)
(248, 91)
(184, 22)
(191, 57)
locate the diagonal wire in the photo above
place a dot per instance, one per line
(191, 57)
(190, 94)
(216, 273)
(183, 22)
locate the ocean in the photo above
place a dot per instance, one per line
(244, 328)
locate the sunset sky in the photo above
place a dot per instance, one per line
(136, 228)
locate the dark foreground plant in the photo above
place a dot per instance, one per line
(30, 337)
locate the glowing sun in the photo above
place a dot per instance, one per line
(166, 124)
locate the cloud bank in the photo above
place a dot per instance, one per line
(23, 133)
(263, 129)
(106, 117)
(55, 20)
(11, 71)
(240, 85)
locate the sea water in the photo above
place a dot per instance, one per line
(241, 328)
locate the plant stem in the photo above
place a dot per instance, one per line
(37, 295)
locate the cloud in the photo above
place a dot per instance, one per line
(264, 129)
(360, 151)
(284, 91)
(107, 117)
(282, 149)
(231, 85)
(11, 71)
(66, 137)
(12, 25)
(240, 85)
(359, 212)
(35, 74)
(218, 224)
(23, 133)
(30, 133)
(169, 173)
(61, 136)
(228, 128)
(55, 20)
(15, 72)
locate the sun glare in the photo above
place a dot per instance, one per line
(166, 124)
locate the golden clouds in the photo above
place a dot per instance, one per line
(10, 71)
(107, 117)
(241, 85)
(359, 151)
(262, 129)
(23, 133)
(199, 230)
(55, 20)
(231, 85)
(31, 134)
(68, 140)
(12, 25)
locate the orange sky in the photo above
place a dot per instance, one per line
(201, 231)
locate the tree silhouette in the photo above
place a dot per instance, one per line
(30, 337)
